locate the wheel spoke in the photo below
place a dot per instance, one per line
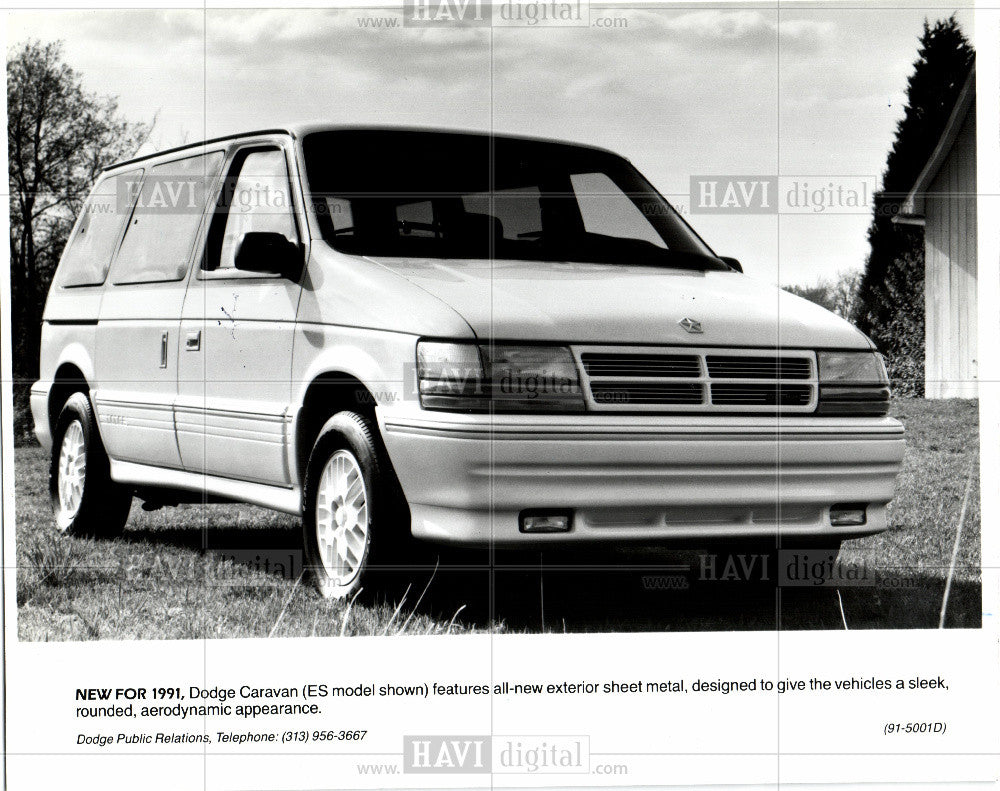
(343, 564)
(356, 542)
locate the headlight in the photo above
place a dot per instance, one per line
(853, 383)
(504, 378)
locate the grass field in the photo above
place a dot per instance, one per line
(234, 571)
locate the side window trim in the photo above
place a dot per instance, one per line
(231, 171)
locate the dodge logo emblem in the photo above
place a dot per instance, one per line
(691, 325)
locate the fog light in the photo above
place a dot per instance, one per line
(545, 521)
(844, 514)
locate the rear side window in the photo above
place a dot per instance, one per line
(161, 234)
(87, 257)
(417, 219)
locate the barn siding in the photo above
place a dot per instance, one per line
(951, 271)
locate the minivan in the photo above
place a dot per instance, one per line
(448, 336)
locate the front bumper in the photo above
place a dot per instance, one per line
(468, 478)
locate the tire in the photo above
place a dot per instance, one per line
(85, 501)
(351, 518)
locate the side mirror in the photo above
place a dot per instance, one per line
(269, 252)
(732, 263)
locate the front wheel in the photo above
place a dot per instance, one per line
(85, 501)
(347, 505)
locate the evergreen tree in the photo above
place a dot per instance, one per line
(941, 69)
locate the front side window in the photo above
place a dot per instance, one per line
(161, 234)
(449, 195)
(87, 257)
(256, 198)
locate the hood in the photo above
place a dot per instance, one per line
(604, 303)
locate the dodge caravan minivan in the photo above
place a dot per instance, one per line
(449, 336)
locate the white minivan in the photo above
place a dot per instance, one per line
(449, 336)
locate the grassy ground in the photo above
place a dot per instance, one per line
(234, 571)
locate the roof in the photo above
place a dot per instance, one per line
(300, 130)
(911, 212)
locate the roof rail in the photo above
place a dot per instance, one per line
(199, 144)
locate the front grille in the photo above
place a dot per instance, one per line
(710, 380)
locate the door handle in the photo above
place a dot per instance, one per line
(163, 349)
(192, 341)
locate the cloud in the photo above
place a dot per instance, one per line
(806, 32)
(748, 30)
(334, 42)
(723, 26)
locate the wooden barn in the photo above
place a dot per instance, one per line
(943, 201)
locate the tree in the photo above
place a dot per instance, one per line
(59, 137)
(837, 296)
(904, 333)
(820, 294)
(944, 60)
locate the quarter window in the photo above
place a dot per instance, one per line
(88, 255)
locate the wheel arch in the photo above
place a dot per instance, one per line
(69, 378)
(327, 393)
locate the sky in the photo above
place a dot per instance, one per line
(808, 93)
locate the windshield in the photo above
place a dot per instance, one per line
(449, 195)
